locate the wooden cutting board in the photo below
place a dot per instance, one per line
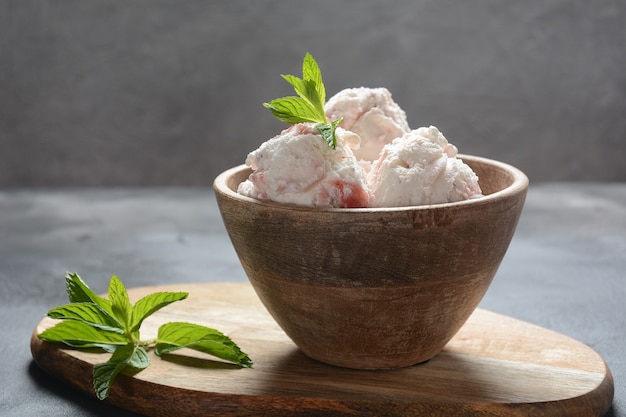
(494, 366)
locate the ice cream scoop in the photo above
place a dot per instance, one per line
(372, 114)
(298, 167)
(419, 168)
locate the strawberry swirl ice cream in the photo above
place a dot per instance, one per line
(420, 168)
(298, 167)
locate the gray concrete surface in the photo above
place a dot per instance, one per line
(156, 92)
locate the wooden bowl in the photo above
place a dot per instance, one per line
(374, 288)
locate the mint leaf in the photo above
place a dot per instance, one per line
(307, 90)
(292, 110)
(327, 131)
(79, 292)
(308, 107)
(311, 72)
(104, 373)
(81, 335)
(151, 303)
(177, 335)
(120, 304)
(88, 313)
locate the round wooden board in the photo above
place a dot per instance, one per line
(494, 366)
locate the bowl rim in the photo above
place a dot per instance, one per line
(519, 184)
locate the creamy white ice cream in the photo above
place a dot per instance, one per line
(298, 167)
(372, 114)
(419, 168)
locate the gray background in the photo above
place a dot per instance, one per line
(154, 92)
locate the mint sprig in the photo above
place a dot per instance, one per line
(177, 335)
(308, 107)
(113, 324)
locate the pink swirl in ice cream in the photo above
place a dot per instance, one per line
(298, 167)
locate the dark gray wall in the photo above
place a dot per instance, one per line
(151, 92)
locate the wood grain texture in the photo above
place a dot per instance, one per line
(494, 366)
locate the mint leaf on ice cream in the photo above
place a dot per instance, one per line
(308, 107)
